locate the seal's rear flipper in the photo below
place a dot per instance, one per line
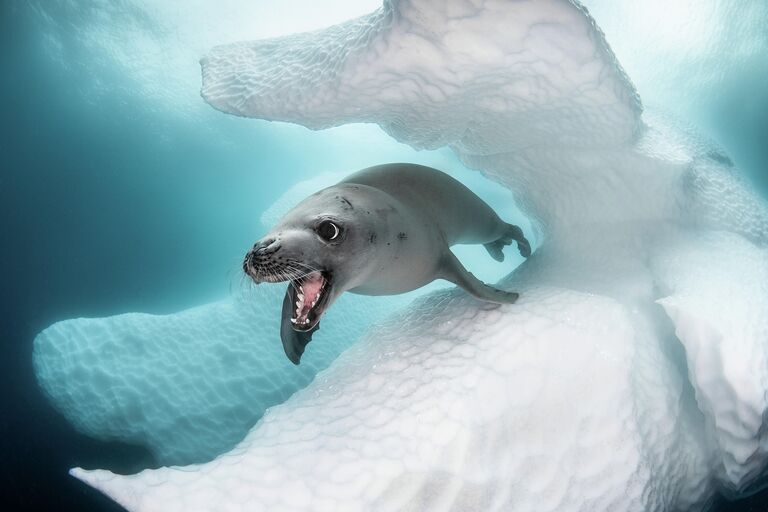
(294, 342)
(452, 270)
(512, 234)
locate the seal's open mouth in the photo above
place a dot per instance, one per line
(310, 298)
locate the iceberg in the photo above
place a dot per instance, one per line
(631, 375)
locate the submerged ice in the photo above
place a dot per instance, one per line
(188, 386)
(632, 373)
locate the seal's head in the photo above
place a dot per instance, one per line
(323, 247)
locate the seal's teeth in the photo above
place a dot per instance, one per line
(298, 304)
(301, 296)
(293, 321)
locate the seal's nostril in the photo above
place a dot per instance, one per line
(268, 246)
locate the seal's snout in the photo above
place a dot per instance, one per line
(260, 257)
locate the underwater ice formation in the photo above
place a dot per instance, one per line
(187, 386)
(632, 373)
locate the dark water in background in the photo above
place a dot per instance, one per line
(111, 203)
(104, 209)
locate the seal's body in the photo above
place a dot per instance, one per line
(428, 212)
(381, 231)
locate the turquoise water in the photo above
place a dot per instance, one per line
(121, 190)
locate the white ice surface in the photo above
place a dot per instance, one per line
(525, 407)
(717, 287)
(188, 386)
(631, 374)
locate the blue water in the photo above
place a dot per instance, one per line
(122, 191)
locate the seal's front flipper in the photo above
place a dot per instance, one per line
(452, 270)
(495, 249)
(294, 342)
(512, 234)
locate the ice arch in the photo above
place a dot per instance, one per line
(632, 374)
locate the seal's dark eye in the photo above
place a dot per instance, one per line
(328, 230)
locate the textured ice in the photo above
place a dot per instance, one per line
(486, 79)
(187, 386)
(631, 375)
(501, 409)
(716, 295)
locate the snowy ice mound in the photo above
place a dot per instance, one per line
(501, 409)
(188, 386)
(716, 288)
(632, 373)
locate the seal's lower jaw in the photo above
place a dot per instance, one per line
(310, 297)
